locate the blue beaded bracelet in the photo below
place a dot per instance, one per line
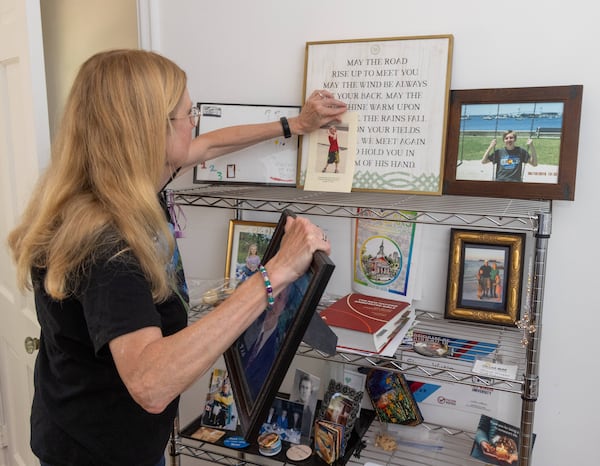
(269, 288)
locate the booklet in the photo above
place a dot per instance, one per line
(496, 442)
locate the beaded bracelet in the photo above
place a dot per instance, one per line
(270, 298)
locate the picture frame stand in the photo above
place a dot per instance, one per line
(320, 336)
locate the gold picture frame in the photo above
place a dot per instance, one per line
(399, 87)
(243, 235)
(485, 272)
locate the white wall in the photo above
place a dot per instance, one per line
(253, 52)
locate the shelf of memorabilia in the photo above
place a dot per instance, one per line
(218, 453)
(508, 343)
(436, 446)
(427, 444)
(500, 344)
(493, 213)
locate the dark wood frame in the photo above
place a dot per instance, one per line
(564, 189)
(460, 305)
(253, 409)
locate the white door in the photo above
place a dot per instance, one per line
(24, 151)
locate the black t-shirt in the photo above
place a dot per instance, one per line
(81, 410)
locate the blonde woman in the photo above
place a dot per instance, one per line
(96, 246)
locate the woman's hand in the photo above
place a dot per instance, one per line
(320, 108)
(300, 241)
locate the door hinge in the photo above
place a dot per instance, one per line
(3, 436)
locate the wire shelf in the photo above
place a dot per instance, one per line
(498, 213)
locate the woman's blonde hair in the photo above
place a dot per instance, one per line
(100, 189)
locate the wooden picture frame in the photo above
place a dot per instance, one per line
(548, 116)
(247, 242)
(474, 293)
(399, 87)
(255, 381)
(271, 162)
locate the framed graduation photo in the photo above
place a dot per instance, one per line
(259, 359)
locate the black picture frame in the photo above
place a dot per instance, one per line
(468, 297)
(549, 116)
(255, 384)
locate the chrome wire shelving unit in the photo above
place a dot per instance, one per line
(530, 216)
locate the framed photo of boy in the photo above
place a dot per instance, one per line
(246, 244)
(516, 143)
(485, 272)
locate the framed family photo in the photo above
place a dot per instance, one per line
(246, 244)
(516, 143)
(485, 272)
(399, 88)
(259, 359)
(285, 418)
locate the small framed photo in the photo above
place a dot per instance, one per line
(260, 358)
(305, 389)
(285, 418)
(516, 143)
(485, 273)
(340, 405)
(246, 246)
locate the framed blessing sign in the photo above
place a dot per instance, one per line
(399, 87)
(271, 162)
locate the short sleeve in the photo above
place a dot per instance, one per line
(117, 300)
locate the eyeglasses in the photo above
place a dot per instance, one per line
(194, 116)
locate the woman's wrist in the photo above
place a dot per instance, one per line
(295, 126)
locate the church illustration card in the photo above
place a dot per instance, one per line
(385, 253)
(331, 156)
